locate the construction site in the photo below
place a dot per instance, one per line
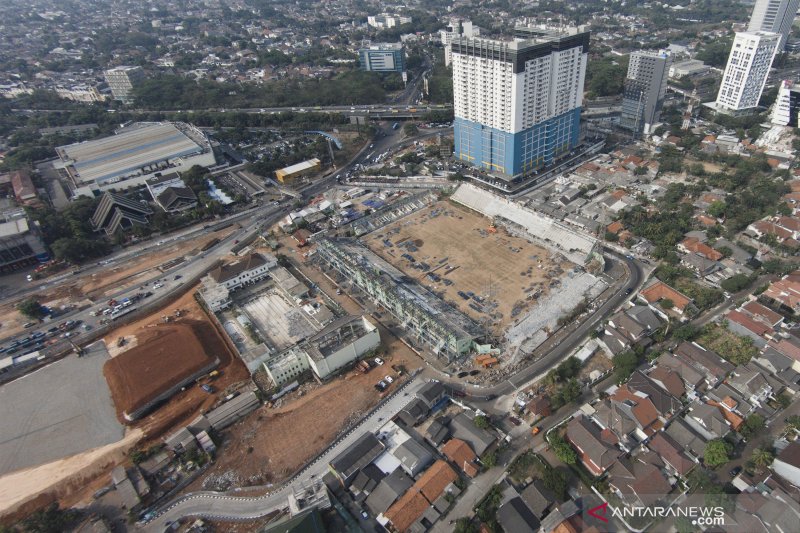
(475, 272)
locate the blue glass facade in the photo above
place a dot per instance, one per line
(515, 154)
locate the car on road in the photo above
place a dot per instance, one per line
(735, 471)
(388, 379)
(536, 430)
(462, 374)
(628, 290)
(378, 361)
(177, 277)
(364, 515)
(158, 285)
(28, 325)
(514, 420)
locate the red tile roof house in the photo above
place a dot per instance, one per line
(763, 314)
(596, 451)
(785, 292)
(671, 453)
(638, 480)
(461, 455)
(693, 245)
(661, 291)
(764, 227)
(741, 324)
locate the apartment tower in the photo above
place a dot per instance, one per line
(518, 103)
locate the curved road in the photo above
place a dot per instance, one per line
(222, 506)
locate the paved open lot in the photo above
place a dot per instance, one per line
(486, 273)
(60, 410)
(278, 320)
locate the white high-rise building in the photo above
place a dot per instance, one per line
(787, 105)
(456, 28)
(747, 69)
(518, 104)
(776, 16)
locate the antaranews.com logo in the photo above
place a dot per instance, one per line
(702, 516)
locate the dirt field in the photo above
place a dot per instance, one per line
(504, 273)
(272, 443)
(185, 405)
(164, 355)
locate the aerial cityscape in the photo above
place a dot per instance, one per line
(364, 266)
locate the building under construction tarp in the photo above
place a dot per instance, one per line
(445, 330)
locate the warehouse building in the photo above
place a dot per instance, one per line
(133, 155)
(298, 170)
(338, 345)
(20, 244)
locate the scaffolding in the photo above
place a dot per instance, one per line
(432, 322)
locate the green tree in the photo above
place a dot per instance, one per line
(465, 525)
(717, 208)
(624, 365)
(556, 481)
(717, 453)
(563, 449)
(31, 308)
(410, 129)
(762, 458)
(51, 520)
(666, 303)
(481, 422)
(489, 459)
(753, 425)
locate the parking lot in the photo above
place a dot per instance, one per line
(60, 410)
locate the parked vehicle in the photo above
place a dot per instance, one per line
(378, 361)
(208, 388)
(388, 379)
(536, 430)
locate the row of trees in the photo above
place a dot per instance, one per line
(352, 87)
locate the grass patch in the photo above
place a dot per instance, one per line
(735, 348)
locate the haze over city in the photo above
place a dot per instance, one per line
(414, 266)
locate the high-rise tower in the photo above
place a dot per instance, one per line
(518, 104)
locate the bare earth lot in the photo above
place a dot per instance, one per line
(271, 443)
(507, 273)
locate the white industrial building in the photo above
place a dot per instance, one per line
(133, 155)
(385, 20)
(338, 345)
(747, 69)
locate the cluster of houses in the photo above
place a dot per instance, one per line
(647, 434)
(412, 469)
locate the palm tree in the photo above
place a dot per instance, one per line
(762, 458)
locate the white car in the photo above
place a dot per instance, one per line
(388, 379)
(378, 361)
(158, 285)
